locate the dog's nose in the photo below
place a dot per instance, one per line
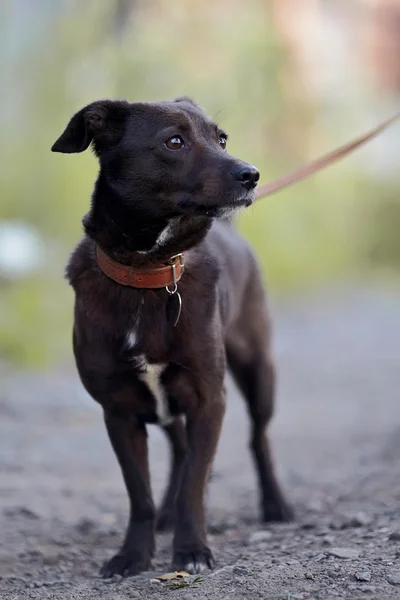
(248, 176)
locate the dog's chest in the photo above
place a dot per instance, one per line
(151, 375)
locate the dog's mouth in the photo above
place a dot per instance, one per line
(220, 209)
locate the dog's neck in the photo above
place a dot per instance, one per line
(133, 237)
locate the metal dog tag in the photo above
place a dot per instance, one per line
(174, 306)
(174, 296)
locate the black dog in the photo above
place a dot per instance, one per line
(152, 337)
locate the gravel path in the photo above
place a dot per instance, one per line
(337, 443)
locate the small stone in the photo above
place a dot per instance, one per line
(308, 526)
(133, 594)
(241, 571)
(22, 511)
(114, 579)
(297, 596)
(309, 576)
(394, 578)
(227, 570)
(344, 552)
(319, 557)
(369, 589)
(360, 519)
(85, 526)
(155, 581)
(333, 574)
(218, 528)
(260, 536)
(363, 576)
(51, 560)
(34, 553)
(328, 540)
(395, 536)
(383, 529)
(60, 542)
(336, 524)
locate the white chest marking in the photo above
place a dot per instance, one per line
(152, 378)
(151, 375)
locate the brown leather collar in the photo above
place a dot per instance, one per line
(152, 277)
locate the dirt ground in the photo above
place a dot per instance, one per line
(336, 437)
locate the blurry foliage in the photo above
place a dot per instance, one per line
(229, 58)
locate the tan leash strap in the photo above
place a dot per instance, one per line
(323, 161)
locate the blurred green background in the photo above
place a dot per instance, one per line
(288, 80)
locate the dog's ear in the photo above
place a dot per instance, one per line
(101, 122)
(187, 100)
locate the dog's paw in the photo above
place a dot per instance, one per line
(278, 512)
(124, 564)
(194, 562)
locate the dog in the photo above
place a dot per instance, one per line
(167, 297)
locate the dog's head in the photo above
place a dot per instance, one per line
(168, 156)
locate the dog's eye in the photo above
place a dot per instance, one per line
(175, 143)
(222, 141)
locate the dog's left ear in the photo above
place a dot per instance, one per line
(187, 100)
(102, 122)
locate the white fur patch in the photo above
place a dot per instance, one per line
(152, 378)
(131, 339)
(150, 374)
(230, 211)
(165, 236)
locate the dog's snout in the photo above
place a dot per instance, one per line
(247, 175)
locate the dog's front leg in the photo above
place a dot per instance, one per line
(129, 440)
(191, 552)
(176, 433)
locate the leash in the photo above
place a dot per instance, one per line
(322, 162)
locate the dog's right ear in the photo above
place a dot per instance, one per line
(102, 122)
